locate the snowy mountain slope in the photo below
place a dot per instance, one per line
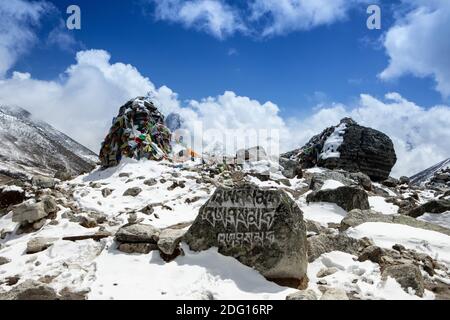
(30, 145)
(176, 192)
(427, 174)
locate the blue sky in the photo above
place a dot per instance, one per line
(296, 71)
(297, 66)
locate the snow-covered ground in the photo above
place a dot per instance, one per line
(110, 274)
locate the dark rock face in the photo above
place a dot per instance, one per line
(137, 132)
(262, 228)
(433, 206)
(10, 197)
(362, 150)
(348, 198)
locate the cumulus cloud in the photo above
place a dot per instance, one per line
(419, 42)
(83, 101)
(17, 23)
(256, 17)
(212, 16)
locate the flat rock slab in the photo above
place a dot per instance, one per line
(138, 233)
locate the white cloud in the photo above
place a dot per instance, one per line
(212, 16)
(17, 23)
(88, 95)
(419, 43)
(222, 18)
(294, 15)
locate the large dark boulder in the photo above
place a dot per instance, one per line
(11, 196)
(351, 147)
(262, 228)
(348, 198)
(433, 206)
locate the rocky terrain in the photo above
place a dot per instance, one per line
(257, 229)
(29, 146)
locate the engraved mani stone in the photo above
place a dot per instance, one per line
(262, 228)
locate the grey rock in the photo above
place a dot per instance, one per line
(323, 243)
(262, 228)
(30, 290)
(141, 248)
(433, 206)
(50, 205)
(39, 244)
(291, 168)
(106, 192)
(390, 182)
(334, 294)
(169, 239)
(29, 211)
(4, 260)
(302, 295)
(372, 253)
(63, 175)
(325, 272)
(348, 198)
(404, 180)
(43, 182)
(356, 217)
(132, 192)
(407, 275)
(124, 175)
(150, 182)
(138, 233)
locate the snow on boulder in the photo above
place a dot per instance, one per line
(137, 132)
(351, 147)
(262, 228)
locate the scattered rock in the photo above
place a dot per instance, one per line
(390, 182)
(39, 244)
(348, 198)
(262, 228)
(433, 206)
(372, 253)
(150, 182)
(407, 275)
(323, 243)
(68, 294)
(356, 217)
(4, 260)
(106, 192)
(63, 175)
(29, 211)
(132, 192)
(169, 240)
(302, 295)
(325, 272)
(43, 182)
(334, 294)
(138, 233)
(124, 175)
(291, 168)
(31, 290)
(404, 180)
(141, 248)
